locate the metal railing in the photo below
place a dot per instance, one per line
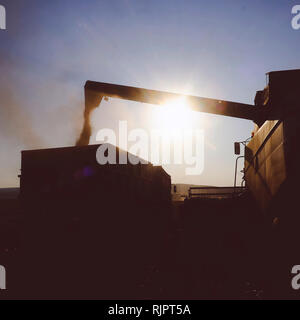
(215, 192)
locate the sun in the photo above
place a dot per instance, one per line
(173, 116)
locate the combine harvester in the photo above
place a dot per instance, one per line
(92, 231)
(271, 174)
(271, 157)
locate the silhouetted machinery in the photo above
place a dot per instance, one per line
(105, 226)
(271, 174)
(91, 230)
(271, 158)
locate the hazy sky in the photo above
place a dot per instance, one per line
(218, 49)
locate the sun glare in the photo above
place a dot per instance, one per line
(174, 115)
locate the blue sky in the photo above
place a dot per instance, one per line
(218, 49)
